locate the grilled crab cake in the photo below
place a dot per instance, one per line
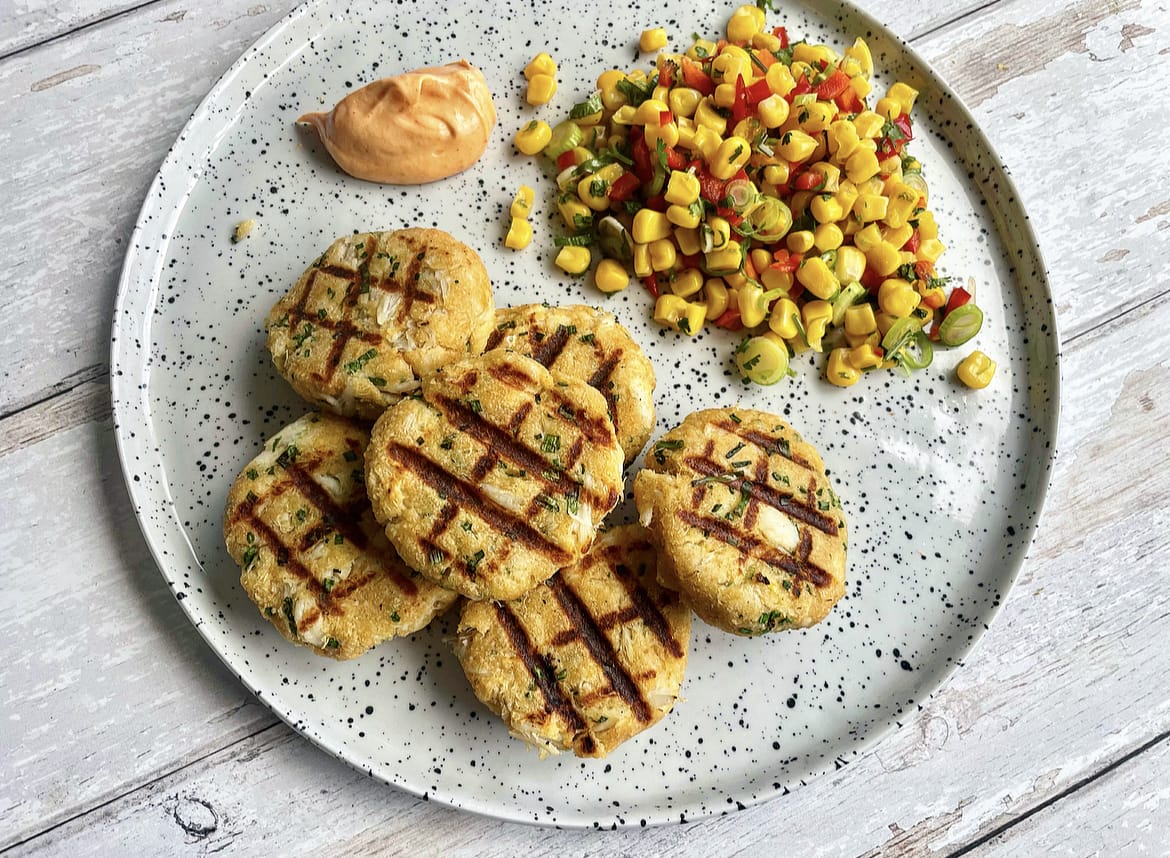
(586, 660)
(496, 476)
(591, 345)
(312, 557)
(747, 526)
(374, 313)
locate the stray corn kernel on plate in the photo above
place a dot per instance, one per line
(942, 483)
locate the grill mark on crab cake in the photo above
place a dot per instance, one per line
(645, 607)
(469, 496)
(546, 351)
(750, 545)
(504, 446)
(541, 671)
(768, 443)
(600, 649)
(762, 492)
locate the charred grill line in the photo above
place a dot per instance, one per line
(510, 376)
(645, 607)
(599, 378)
(494, 339)
(600, 648)
(518, 418)
(767, 443)
(330, 510)
(753, 508)
(409, 286)
(469, 496)
(539, 669)
(575, 451)
(765, 493)
(506, 447)
(598, 431)
(549, 349)
(750, 546)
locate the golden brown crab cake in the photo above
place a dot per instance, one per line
(496, 476)
(376, 312)
(589, 344)
(312, 557)
(586, 660)
(747, 527)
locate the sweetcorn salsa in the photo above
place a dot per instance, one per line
(747, 183)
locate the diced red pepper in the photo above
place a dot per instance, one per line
(623, 187)
(565, 160)
(871, 280)
(696, 78)
(903, 123)
(959, 297)
(651, 283)
(710, 188)
(795, 290)
(849, 101)
(685, 262)
(730, 320)
(665, 117)
(640, 152)
(833, 85)
(657, 203)
(912, 242)
(666, 75)
(924, 269)
(740, 109)
(809, 180)
(758, 91)
(786, 261)
(782, 34)
(802, 87)
(675, 160)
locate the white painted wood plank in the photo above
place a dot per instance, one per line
(1125, 812)
(145, 72)
(104, 680)
(23, 24)
(1070, 678)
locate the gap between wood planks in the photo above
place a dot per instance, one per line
(79, 28)
(1060, 796)
(144, 785)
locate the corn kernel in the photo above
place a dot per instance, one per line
(859, 320)
(735, 281)
(701, 49)
(542, 63)
(773, 111)
(884, 322)
(731, 156)
(685, 216)
(800, 241)
(682, 189)
(865, 356)
(522, 202)
(859, 51)
(533, 137)
(817, 315)
(683, 100)
(706, 142)
(642, 267)
(611, 97)
(816, 277)
(976, 370)
(815, 118)
(930, 250)
(668, 309)
(867, 239)
(873, 339)
(839, 370)
(519, 234)
(870, 207)
(725, 95)
(760, 258)
(861, 87)
(727, 258)
(904, 94)
(649, 112)
(663, 254)
(541, 89)
(687, 283)
(884, 258)
(780, 79)
(719, 231)
(653, 39)
(744, 23)
(784, 317)
(691, 323)
(861, 165)
(649, 226)
(776, 174)
(887, 108)
(850, 265)
(903, 200)
(897, 297)
(688, 241)
(796, 146)
(774, 278)
(574, 213)
(624, 115)
(716, 297)
(707, 117)
(667, 133)
(611, 276)
(573, 260)
(828, 236)
(825, 208)
(927, 227)
(868, 124)
(898, 237)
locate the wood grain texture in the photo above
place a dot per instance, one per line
(25, 24)
(126, 736)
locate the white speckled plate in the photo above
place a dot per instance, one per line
(942, 486)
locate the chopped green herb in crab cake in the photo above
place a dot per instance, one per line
(747, 527)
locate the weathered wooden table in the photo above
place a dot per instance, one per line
(123, 734)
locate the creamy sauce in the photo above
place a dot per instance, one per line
(410, 129)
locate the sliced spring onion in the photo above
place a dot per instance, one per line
(917, 353)
(960, 325)
(565, 136)
(741, 196)
(615, 240)
(769, 221)
(762, 360)
(899, 334)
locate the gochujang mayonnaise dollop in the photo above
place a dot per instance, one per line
(410, 129)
